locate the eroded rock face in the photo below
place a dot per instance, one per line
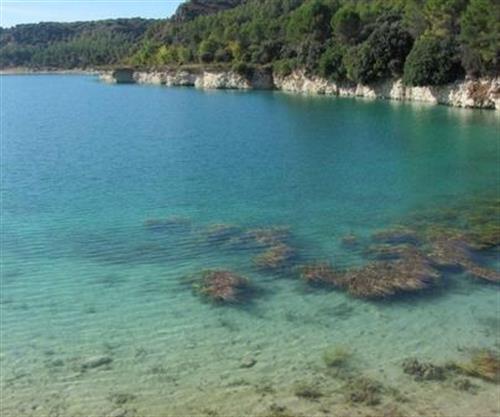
(209, 80)
(483, 93)
(118, 76)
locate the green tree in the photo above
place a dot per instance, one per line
(383, 54)
(433, 60)
(311, 19)
(331, 63)
(346, 24)
(207, 49)
(480, 36)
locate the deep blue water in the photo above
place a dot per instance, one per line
(85, 164)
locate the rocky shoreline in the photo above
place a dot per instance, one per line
(480, 93)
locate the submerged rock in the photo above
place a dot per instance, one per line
(248, 362)
(96, 362)
(119, 412)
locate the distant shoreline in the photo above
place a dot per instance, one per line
(480, 94)
(48, 71)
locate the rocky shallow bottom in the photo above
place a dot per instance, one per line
(149, 342)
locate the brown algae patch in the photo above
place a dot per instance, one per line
(410, 272)
(223, 287)
(276, 258)
(483, 364)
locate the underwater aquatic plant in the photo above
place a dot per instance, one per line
(363, 390)
(485, 236)
(447, 251)
(408, 271)
(270, 236)
(336, 356)
(424, 371)
(349, 240)
(169, 223)
(223, 286)
(263, 237)
(276, 410)
(276, 257)
(484, 364)
(381, 279)
(388, 251)
(482, 273)
(307, 391)
(318, 273)
(396, 235)
(453, 252)
(221, 233)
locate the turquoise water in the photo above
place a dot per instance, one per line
(85, 165)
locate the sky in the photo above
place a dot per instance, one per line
(13, 12)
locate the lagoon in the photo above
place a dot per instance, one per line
(112, 195)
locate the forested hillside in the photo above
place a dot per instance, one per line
(70, 45)
(426, 41)
(190, 10)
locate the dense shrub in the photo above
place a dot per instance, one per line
(433, 60)
(331, 63)
(284, 67)
(480, 36)
(382, 55)
(346, 24)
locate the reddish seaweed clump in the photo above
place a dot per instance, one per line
(381, 279)
(410, 272)
(223, 286)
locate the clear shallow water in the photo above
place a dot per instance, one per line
(86, 164)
